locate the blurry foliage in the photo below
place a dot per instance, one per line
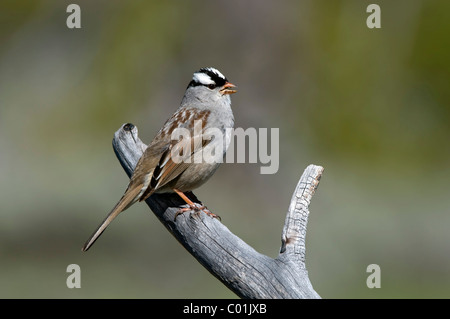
(371, 106)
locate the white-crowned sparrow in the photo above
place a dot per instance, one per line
(206, 104)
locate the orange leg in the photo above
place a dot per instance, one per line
(192, 206)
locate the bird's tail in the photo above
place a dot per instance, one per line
(128, 199)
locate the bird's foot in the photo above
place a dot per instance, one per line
(197, 208)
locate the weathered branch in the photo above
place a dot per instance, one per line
(246, 272)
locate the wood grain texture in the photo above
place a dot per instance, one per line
(242, 269)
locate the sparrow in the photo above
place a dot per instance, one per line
(169, 164)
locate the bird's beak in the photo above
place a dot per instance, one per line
(228, 88)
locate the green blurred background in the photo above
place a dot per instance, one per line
(370, 105)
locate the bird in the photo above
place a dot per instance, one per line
(170, 165)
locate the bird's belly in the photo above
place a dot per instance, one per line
(194, 176)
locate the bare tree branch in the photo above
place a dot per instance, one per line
(242, 269)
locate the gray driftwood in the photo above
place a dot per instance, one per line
(246, 272)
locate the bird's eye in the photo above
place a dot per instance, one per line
(211, 86)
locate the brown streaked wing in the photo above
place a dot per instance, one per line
(168, 168)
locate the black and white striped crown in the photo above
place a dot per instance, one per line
(209, 77)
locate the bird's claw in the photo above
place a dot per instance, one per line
(197, 208)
